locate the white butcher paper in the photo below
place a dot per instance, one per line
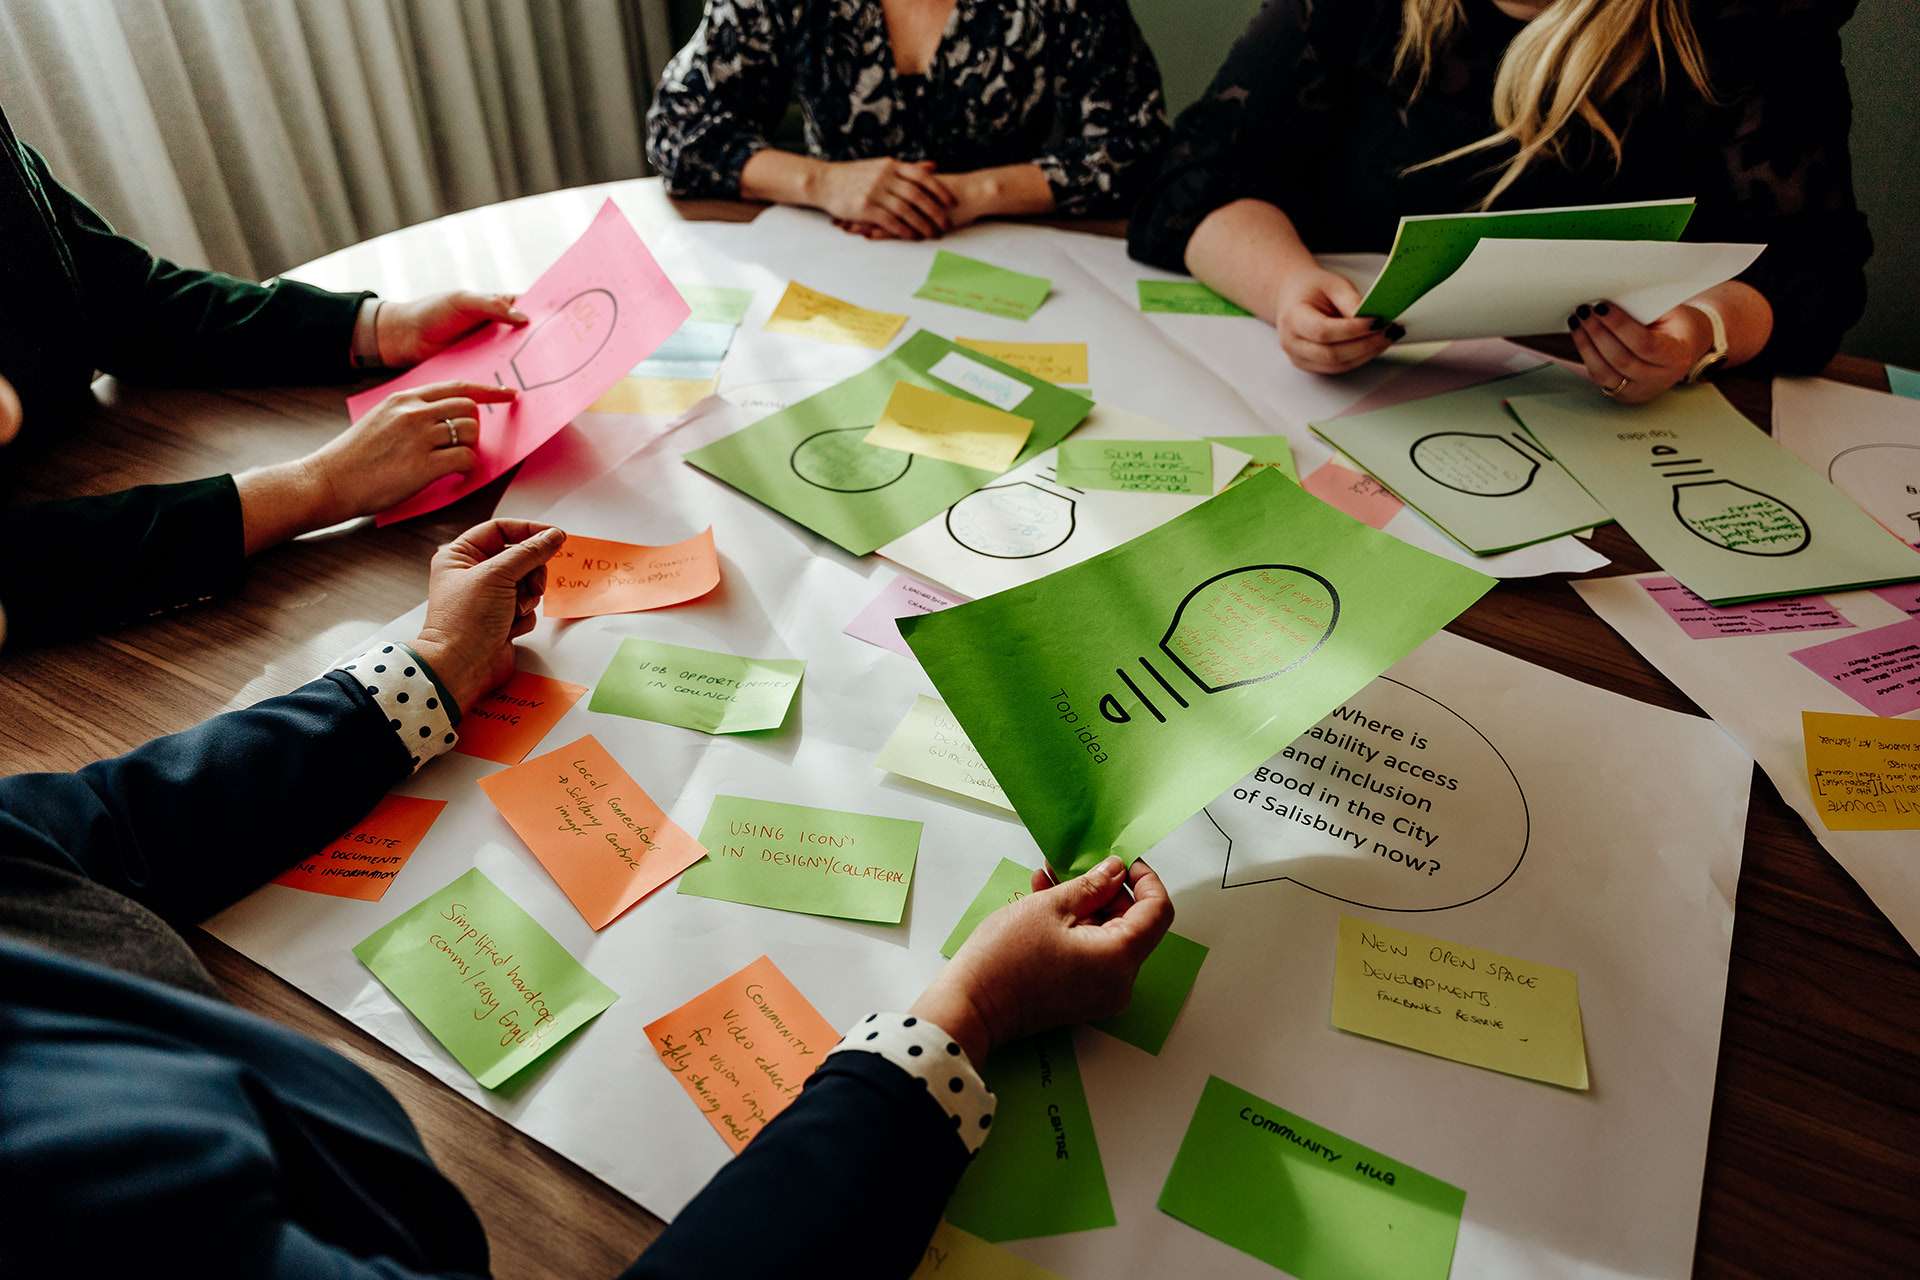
(1756, 692)
(1866, 442)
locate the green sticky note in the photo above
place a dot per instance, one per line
(714, 303)
(1159, 993)
(1111, 700)
(1040, 1174)
(1186, 298)
(1136, 466)
(812, 464)
(1009, 882)
(1464, 462)
(795, 858)
(1903, 382)
(1715, 502)
(1317, 1205)
(960, 281)
(1428, 248)
(1268, 453)
(481, 974)
(696, 688)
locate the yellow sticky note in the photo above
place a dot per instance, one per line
(1864, 771)
(954, 1254)
(809, 313)
(931, 747)
(918, 420)
(1064, 363)
(1472, 1005)
(673, 396)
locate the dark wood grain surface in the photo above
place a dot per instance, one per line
(1813, 1163)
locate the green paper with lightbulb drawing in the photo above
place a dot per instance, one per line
(1715, 502)
(1115, 698)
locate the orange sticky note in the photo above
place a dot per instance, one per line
(366, 858)
(1354, 492)
(599, 835)
(743, 1048)
(591, 576)
(510, 721)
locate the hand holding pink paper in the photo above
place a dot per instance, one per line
(601, 308)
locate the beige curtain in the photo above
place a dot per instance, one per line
(251, 135)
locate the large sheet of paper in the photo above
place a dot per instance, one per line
(1866, 442)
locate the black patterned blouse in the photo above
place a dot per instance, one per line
(1305, 115)
(1068, 85)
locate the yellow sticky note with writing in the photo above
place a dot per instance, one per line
(808, 313)
(1062, 363)
(954, 1254)
(1864, 771)
(923, 421)
(673, 396)
(1466, 1003)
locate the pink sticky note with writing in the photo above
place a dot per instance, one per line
(1879, 669)
(1765, 617)
(1354, 492)
(600, 309)
(1905, 597)
(903, 598)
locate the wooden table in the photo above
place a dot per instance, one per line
(1813, 1163)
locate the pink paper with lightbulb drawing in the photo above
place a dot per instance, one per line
(600, 309)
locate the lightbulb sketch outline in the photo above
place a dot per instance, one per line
(1665, 456)
(533, 335)
(1517, 443)
(1072, 521)
(793, 461)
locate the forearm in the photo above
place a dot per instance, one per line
(1008, 191)
(781, 177)
(1244, 251)
(283, 501)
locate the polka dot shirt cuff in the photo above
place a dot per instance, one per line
(927, 1053)
(408, 696)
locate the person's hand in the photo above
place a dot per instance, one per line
(401, 446)
(1314, 316)
(483, 590)
(1634, 362)
(10, 412)
(406, 333)
(1066, 953)
(886, 198)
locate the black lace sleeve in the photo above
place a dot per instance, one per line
(719, 98)
(1112, 119)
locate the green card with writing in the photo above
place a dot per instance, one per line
(1136, 466)
(1009, 882)
(1266, 451)
(696, 688)
(1317, 1205)
(961, 281)
(1040, 1174)
(796, 858)
(811, 462)
(1111, 700)
(481, 974)
(715, 304)
(1159, 993)
(1186, 298)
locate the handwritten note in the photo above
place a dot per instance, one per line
(953, 1254)
(659, 397)
(917, 420)
(481, 974)
(596, 831)
(960, 281)
(930, 746)
(1905, 597)
(1703, 621)
(1353, 492)
(593, 576)
(511, 721)
(696, 688)
(1879, 669)
(796, 858)
(1137, 466)
(808, 313)
(363, 860)
(1864, 770)
(742, 1049)
(1062, 363)
(902, 598)
(1186, 298)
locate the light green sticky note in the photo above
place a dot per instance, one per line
(1040, 1174)
(1137, 466)
(1114, 698)
(1307, 1200)
(1009, 882)
(697, 688)
(717, 304)
(1186, 298)
(1427, 248)
(1903, 382)
(960, 281)
(1464, 462)
(1716, 503)
(1159, 993)
(931, 747)
(481, 974)
(812, 464)
(796, 858)
(1272, 453)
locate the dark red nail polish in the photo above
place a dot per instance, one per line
(1601, 308)
(1583, 311)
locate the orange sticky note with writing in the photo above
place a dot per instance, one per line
(510, 721)
(742, 1049)
(592, 576)
(602, 839)
(366, 858)
(1354, 492)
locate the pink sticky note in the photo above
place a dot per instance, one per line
(1879, 669)
(1765, 617)
(1354, 492)
(1466, 363)
(600, 309)
(1906, 596)
(903, 598)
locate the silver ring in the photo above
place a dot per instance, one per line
(1611, 392)
(453, 437)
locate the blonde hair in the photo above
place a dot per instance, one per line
(1564, 65)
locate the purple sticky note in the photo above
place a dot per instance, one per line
(1879, 669)
(1704, 622)
(1905, 597)
(903, 598)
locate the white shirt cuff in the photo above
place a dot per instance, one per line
(924, 1051)
(403, 688)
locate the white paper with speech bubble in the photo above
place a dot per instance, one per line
(1866, 442)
